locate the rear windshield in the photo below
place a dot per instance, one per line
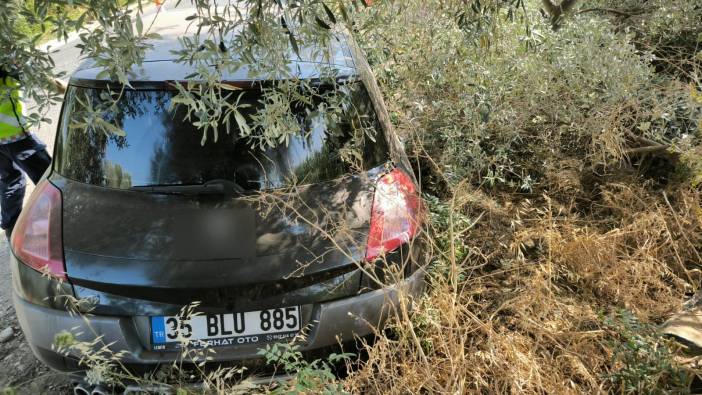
(160, 147)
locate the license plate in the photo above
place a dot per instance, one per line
(220, 330)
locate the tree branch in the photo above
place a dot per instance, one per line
(646, 150)
(644, 140)
(550, 7)
(557, 11)
(613, 11)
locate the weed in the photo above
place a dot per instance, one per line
(307, 377)
(643, 359)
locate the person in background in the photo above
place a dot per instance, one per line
(20, 151)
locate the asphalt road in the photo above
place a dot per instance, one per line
(18, 366)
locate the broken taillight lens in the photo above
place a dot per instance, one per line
(36, 239)
(395, 216)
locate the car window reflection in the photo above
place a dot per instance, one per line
(160, 148)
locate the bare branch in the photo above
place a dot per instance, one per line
(626, 14)
(646, 150)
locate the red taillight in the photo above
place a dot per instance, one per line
(36, 239)
(395, 216)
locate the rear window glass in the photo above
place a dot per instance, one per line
(161, 148)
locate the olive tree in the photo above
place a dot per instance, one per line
(227, 36)
(230, 34)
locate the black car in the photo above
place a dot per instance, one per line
(269, 242)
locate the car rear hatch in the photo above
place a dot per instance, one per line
(139, 225)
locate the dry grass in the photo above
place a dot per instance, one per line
(525, 315)
(550, 224)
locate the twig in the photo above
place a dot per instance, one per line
(646, 150)
(613, 11)
(644, 140)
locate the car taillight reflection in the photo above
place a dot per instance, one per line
(395, 216)
(36, 239)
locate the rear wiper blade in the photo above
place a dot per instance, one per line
(212, 187)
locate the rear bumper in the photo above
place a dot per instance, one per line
(330, 324)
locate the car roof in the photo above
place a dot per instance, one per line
(160, 62)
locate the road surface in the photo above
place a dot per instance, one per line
(18, 367)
